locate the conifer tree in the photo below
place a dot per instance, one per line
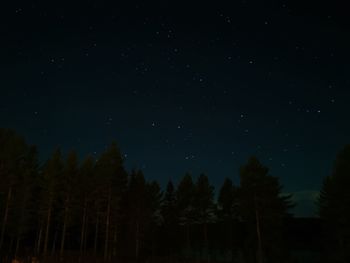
(137, 210)
(86, 174)
(153, 216)
(50, 189)
(334, 206)
(25, 202)
(170, 218)
(13, 152)
(67, 193)
(112, 180)
(263, 207)
(204, 209)
(185, 208)
(228, 212)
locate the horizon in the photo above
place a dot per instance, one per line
(183, 88)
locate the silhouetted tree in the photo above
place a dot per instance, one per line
(227, 211)
(169, 214)
(204, 209)
(13, 152)
(185, 196)
(50, 179)
(153, 216)
(96, 206)
(263, 207)
(67, 193)
(112, 181)
(137, 211)
(334, 206)
(25, 202)
(86, 175)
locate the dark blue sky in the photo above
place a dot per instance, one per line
(194, 87)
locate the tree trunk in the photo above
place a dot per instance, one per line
(11, 245)
(17, 246)
(258, 232)
(82, 237)
(22, 218)
(107, 226)
(115, 242)
(86, 233)
(231, 240)
(206, 247)
(38, 245)
(188, 241)
(53, 250)
(47, 228)
(153, 245)
(96, 234)
(4, 222)
(66, 210)
(137, 241)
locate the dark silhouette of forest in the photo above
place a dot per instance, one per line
(95, 211)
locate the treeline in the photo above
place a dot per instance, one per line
(95, 211)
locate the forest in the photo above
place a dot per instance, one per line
(94, 210)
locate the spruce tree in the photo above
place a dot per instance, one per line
(170, 218)
(263, 208)
(111, 180)
(13, 153)
(228, 213)
(85, 179)
(204, 208)
(334, 206)
(67, 193)
(185, 197)
(50, 190)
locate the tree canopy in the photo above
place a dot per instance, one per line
(96, 210)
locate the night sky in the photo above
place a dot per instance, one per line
(189, 87)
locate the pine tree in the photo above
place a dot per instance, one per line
(50, 178)
(112, 181)
(69, 184)
(185, 198)
(170, 219)
(228, 212)
(13, 157)
(334, 205)
(227, 200)
(86, 175)
(204, 209)
(153, 215)
(25, 202)
(137, 211)
(263, 207)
